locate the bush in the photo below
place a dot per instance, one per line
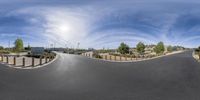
(4, 52)
(96, 55)
(19, 46)
(1, 48)
(169, 48)
(160, 48)
(123, 48)
(140, 48)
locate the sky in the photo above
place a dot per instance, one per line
(100, 23)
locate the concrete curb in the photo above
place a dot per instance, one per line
(30, 67)
(137, 60)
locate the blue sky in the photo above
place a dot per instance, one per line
(100, 24)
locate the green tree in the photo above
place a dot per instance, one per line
(170, 48)
(123, 48)
(29, 47)
(140, 48)
(1, 48)
(160, 48)
(19, 46)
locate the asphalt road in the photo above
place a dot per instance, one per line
(71, 77)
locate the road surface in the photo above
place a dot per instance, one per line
(71, 77)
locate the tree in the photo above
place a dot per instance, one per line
(123, 48)
(170, 48)
(19, 46)
(28, 47)
(160, 48)
(1, 48)
(140, 48)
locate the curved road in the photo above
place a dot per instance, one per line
(71, 77)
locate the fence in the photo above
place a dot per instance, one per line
(25, 61)
(119, 58)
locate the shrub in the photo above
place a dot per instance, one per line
(96, 55)
(159, 49)
(123, 48)
(140, 48)
(19, 46)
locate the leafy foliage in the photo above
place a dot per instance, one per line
(19, 46)
(96, 55)
(170, 48)
(160, 48)
(140, 48)
(1, 48)
(123, 48)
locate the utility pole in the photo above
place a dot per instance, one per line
(78, 45)
(54, 46)
(9, 45)
(51, 46)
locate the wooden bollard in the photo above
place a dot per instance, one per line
(115, 58)
(23, 61)
(49, 58)
(199, 55)
(40, 61)
(7, 61)
(110, 57)
(14, 60)
(125, 58)
(120, 58)
(131, 57)
(106, 57)
(1, 57)
(45, 59)
(33, 61)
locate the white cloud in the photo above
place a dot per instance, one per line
(68, 25)
(62, 23)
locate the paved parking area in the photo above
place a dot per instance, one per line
(71, 77)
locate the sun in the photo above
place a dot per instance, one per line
(64, 28)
